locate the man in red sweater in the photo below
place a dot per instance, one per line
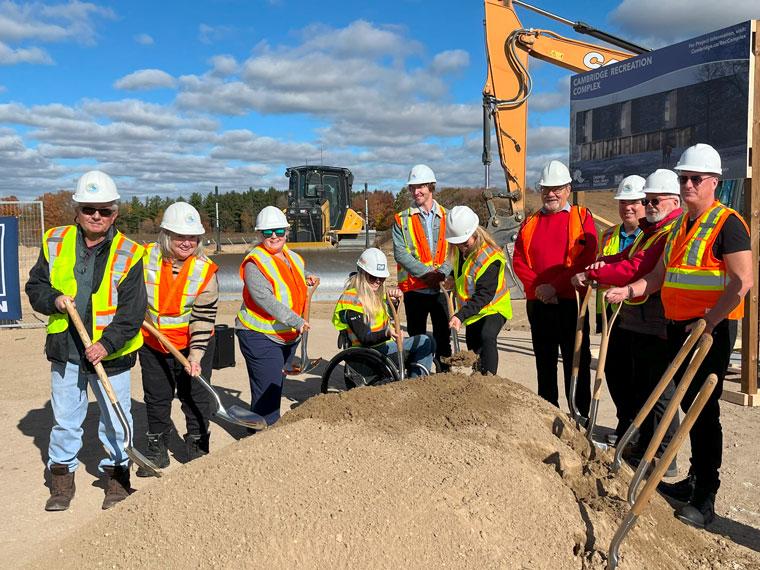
(554, 244)
(642, 323)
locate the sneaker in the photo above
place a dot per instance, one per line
(679, 491)
(700, 510)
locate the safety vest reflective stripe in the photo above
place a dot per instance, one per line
(648, 242)
(416, 243)
(60, 249)
(473, 267)
(349, 300)
(577, 216)
(694, 278)
(251, 315)
(608, 245)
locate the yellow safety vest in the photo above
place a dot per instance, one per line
(349, 300)
(473, 267)
(608, 245)
(59, 246)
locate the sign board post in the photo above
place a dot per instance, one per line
(10, 294)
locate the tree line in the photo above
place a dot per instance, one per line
(237, 210)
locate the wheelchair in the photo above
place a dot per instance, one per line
(356, 366)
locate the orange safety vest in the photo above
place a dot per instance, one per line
(578, 215)
(416, 243)
(694, 278)
(288, 285)
(170, 299)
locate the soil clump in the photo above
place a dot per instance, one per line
(438, 472)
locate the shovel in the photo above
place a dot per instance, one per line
(131, 452)
(454, 332)
(703, 347)
(667, 376)
(399, 340)
(582, 306)
(235, 414)
(600, 376)
(302, 364)
(646, 494)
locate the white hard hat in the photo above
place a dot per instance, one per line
(555, 174)
(271, 218)
(421, 174)
(181, 218)
(662, 181)
(461, 223)
(95, 187)
(374, 262)
(630, 188)
(699, 158)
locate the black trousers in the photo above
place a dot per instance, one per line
(650, 358)
(162, 376)
(418, 307)
(481, 339)
(707, 434)
(553, 327)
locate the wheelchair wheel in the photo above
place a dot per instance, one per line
(357, 366)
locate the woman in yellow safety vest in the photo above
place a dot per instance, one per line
(480, 283)
(183, 292)
(362, 313)
(270, 321)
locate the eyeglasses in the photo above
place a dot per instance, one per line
(696, 179)
(555, 189)
(279, 232)
(654, 201)
(375, 279)
(90, 211)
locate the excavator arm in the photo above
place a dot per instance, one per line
(508, 88)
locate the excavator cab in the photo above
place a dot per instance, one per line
(319, 200)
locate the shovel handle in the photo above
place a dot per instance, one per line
(579, 329)
(147, 325)
(87, 342)
(399, 340)
(310, 289)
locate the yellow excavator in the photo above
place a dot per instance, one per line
(508, 88)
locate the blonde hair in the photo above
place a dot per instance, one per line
(165, 245)
(371, 301)
(481, 236)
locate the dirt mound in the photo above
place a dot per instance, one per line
(439, 472)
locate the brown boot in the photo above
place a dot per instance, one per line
(62, 488)
(117, 486)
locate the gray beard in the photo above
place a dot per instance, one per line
(654, 218)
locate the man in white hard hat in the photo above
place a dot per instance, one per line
(641, 355)
(705, 273)
(614, 240)
(99, 270)
(420, 249)
(552, 245)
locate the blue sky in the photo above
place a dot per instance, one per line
(174, 97)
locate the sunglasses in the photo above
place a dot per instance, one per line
(696, 179)
(104, 212)
(375, 279)
(279, 232)
(653, 201)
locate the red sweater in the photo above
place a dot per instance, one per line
(620, 271)
(548, 250)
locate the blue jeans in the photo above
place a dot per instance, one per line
(265, 361)
(418, 349)
(69, 401)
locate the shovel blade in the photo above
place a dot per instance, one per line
(143, 461)
(242, 417)
(298, 366)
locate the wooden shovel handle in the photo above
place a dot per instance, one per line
(450, 302)
(396, 322)
(87, 342)
(147, 325)
(579, 329)
(691, 416)
(309, 294)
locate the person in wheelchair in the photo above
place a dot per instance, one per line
(480, 284)
(362, 316)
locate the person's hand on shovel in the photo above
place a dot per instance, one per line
(580, 280)
(60, 303)
(395, 338)
(455, 323)
(617, 294)
(394, 293)
(95, 353)
(312, 280)
(193, 367)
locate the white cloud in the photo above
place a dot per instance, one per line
(224, 65)
(450, 61)
(144, 39)
(10, 56)
(655, 23)
(551, 100)
(145, 79)
(209, 34)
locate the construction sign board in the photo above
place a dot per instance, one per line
(10, 295)
(640, 114)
